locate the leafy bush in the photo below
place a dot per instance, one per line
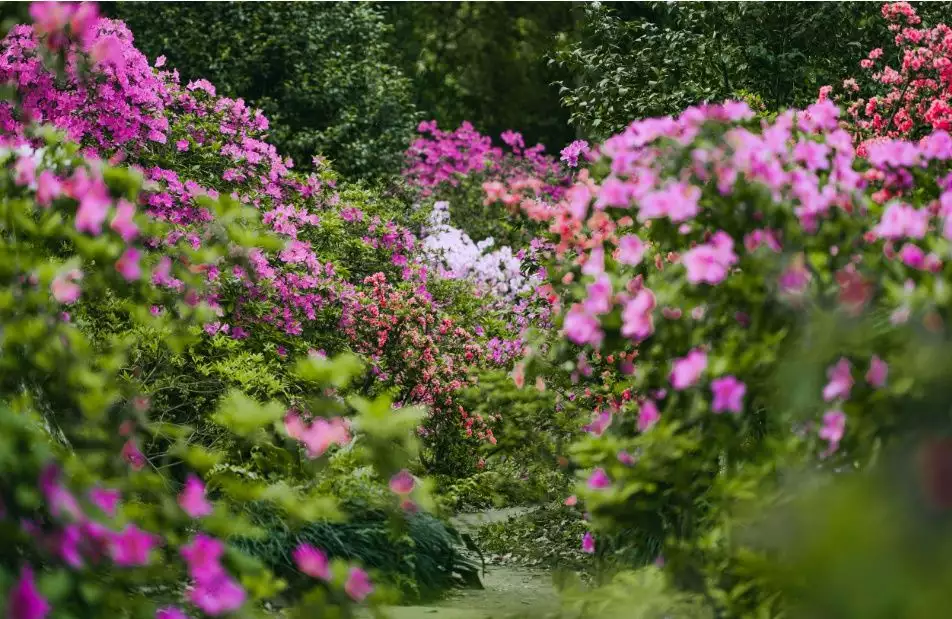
(322, 72)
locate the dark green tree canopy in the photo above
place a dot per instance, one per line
(322, 71)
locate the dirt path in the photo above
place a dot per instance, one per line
(509, 591)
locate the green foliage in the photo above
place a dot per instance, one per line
(322, 72)
(485, 62)
(635, 60)
(549, 536)
(418, 556)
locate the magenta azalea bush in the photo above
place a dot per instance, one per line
(162, 260)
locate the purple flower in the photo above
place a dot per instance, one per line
(25, 601)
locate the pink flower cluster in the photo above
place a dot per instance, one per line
(904, 100)
(445, 157)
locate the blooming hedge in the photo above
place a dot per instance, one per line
(707, 249)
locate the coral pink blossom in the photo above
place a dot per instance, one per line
(687, 370)
(728, 394)
(571, 500)
(878, 370)
(402, 483)
(841, 381)
(358, 585)
(312, 561)
(128, 264)
(192, 498)
(65, 288)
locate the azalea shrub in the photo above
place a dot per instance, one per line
(455, 165)
(106, 507)
(344, 248)
(147, 236)
(698, 252)
(902, 91)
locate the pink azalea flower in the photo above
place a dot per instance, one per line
(402, 483)
(648, 415)
(48, 188)
(637, 321)
(599, 480)
(599, 424)
(595, 265)
(170, 612)
(64, 287)
(132, 455)
(61, 501)
(294, 425)
(24, 600)
(834, 424)
(599, 300)
(841, 381)
(312, 561)
(105, 499)
(687, 370)
(631, 250)
(571, 501)
(588, 543)
(913, 256)
(358, 585)
(128, 264)
(160, 62)
(192, 498)
(68, 543)
(728, 394)
(217, 595)
(131, 546)
(122, 223)
(626, 458)
(581, 327)
(107, 50)
(322, 434)
(202, 556)
(704, 264)
(878, 370)
(181, 146)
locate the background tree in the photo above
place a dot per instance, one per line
(321, 72)
(635, 60)
(485, 62)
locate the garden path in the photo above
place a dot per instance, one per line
(509, 591)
